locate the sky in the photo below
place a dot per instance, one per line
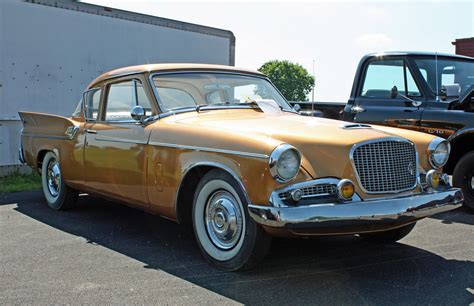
(335, 35)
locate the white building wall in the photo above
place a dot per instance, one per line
(48, 55)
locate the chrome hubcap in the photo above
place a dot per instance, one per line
(472, 183)
(223, 220)
(53, 178)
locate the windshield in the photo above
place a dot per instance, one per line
(450, 71)
(188, 90)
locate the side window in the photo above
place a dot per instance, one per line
(92, 100)
(383, 75)
(174, 98)
(122, 97)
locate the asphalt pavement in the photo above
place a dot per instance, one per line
(103, 252)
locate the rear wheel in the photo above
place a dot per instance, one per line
(463, 177)
(390, 236)
(227, 236)
(57, 194)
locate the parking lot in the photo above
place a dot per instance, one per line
(103, 252)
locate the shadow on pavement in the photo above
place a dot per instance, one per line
(337, 270)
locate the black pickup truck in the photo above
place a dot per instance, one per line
(427, 92)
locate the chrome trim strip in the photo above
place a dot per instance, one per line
(343, 217)
(121, 140)
(211, 164)
(351, 156)
(213, 150)
(46, 136)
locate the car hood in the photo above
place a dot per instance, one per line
(324, 143)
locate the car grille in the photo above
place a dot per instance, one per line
(386, 166)
(313, 191)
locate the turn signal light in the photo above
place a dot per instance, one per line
(433, 178)
(345, 190)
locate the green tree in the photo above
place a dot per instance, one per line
(293, 81)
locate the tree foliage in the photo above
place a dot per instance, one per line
(293, 81)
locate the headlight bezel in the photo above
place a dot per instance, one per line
(432, 147)
(275, 157)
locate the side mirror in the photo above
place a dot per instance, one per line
(394, 92)
(297, 108)
(138, 113)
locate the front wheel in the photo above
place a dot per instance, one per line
(227, 236)
(463, 177)
(390, 236)
(57, 194)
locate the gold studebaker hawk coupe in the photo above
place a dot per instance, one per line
(221, 149)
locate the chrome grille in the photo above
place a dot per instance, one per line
(386, 165)
(312, 191)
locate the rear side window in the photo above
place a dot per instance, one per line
(383, 75)
(122, 97)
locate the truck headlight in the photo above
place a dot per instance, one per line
(438, 152)
(284, 163)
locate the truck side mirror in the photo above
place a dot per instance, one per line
(297, 108)
(394, 92)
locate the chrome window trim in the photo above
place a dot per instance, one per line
(432, 147)
(248, 74)
(206, 149)
(273, 161)
(395, 138)
(84, 103)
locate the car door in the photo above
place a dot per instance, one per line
(116, 144)
(388, 95)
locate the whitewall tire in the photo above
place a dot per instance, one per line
(57, 194)
(227, 236)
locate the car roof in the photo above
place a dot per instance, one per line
(417, 53)
(168, 68)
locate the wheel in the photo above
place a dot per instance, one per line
(390, 236)
(226, 235)
(463, 177)
(57, 194)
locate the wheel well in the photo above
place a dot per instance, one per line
(184, 204)
(459, 147)
(39, 159)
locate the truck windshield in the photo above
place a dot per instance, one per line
(191, 89)
(450, 71)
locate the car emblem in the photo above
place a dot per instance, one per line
(411, 168)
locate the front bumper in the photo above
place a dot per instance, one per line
(363, 215)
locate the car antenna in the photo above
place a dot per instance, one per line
(436, 71)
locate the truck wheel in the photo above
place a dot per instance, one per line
(227, 236)
(57, 194)
(390, 236)
(463, 177)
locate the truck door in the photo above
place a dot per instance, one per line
(387, 94)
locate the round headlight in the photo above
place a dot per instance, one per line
(284, 163)
(438, 151)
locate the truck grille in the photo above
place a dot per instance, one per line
(388, 165)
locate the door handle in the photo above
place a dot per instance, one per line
(91, 131)
(357, 109)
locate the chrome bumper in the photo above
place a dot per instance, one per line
(359, 213)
